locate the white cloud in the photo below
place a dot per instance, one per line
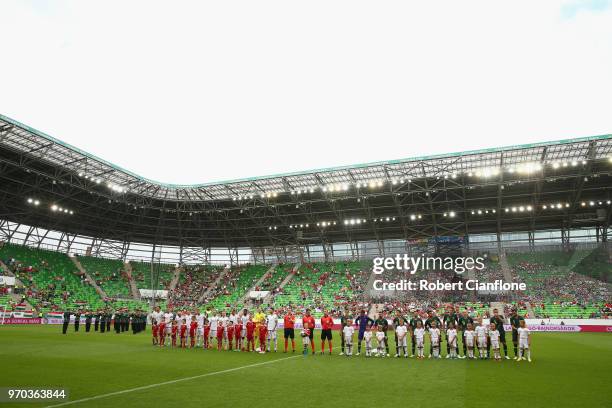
(191, 92)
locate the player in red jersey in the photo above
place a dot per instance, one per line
(162, 333)
(183, 333)
(173, 332)
(238, 335)
(327, 323)
(263, 332)
(230, 335)
(155, 331)
(307, 319)
(193, 328)
(206, 334)
(250, 334)
(220, 330)
(289, 330)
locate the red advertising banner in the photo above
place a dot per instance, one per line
(18, 320)
(595, 328)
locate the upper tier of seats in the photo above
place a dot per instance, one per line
(157, 277)
(108, 274)
(236, 284)
(320, 286)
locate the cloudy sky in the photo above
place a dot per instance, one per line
(189, 92)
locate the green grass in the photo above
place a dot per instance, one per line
(568, 370)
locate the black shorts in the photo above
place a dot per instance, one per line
(326, 334)
(514, 336)
(502, 337)
(289, 333)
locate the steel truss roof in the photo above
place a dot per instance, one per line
(417, 195)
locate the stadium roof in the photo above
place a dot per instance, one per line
(492, 190)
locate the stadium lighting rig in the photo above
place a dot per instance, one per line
(484, 211)
(53, 207)
(384, 219)
(299, 226)
(116, 188)
(57, 209)
(519, 208)
(557, 206)
(516, 169)
(594, 203)
(33, 201)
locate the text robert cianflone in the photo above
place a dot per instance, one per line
(426, 263)
(437, 285)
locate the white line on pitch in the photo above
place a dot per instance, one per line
(146, 387)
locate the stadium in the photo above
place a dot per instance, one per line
(84, 242)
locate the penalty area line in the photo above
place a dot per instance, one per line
(146, 387)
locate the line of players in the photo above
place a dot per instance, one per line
(240, 332)
(475, 335)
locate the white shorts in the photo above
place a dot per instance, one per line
(402, 342)
(482, 342)
(495, 344)
(272, 335)
(523, 343)
(168, 329)
(200, 331)
(243, 333)
(213, 332)
(469, 342)
(419, 342)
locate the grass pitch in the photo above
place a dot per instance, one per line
(568, 370)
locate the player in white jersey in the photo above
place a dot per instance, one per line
(419, 335)
(481, 337)
(223, 322)
(200, 333)
(434, 337)
(367, 336)
(451, 338)
(168, 317)
(380, 338)
(214, 324)
(157, 315)
(233, 317)
(401, 332)
(494, 337)
(244, 318)
(272, 325)
(348, 339)
(469, 336)
(187, 319)
(524, 342)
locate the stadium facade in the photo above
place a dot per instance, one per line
(56, 196)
